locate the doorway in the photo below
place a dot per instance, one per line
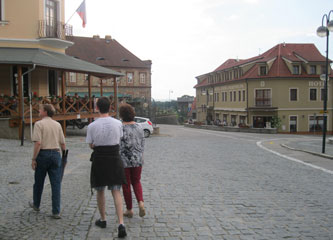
(53, 86)
(293, 124)
(260, 121)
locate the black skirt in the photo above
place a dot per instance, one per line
(107, 168)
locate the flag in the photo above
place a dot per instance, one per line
(82, 13)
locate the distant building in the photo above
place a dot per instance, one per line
(134, 87)
(184, 105)
(281, 84)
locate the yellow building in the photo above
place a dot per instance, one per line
(280, 87)
(33, 60)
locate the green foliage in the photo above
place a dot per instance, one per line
(276, 122)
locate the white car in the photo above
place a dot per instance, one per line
(146, 124)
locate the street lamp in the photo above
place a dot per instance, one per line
(170, 91)
(324, 31)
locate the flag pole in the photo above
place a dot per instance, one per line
(73, 13)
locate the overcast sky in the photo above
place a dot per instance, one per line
(188, 38)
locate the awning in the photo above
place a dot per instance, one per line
(55, 60)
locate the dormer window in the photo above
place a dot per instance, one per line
(323, 69)
(296, 69)
(313, 69)
(263, 70)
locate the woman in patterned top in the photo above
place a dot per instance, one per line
(131, 152)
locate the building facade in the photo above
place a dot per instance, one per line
(134, 87)
(280, 88)
(33, 64)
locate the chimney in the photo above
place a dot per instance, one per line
(108, 38)
(96, 37)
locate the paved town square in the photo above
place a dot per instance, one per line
(197, 184)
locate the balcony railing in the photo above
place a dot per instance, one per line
(263, 102)
(54, 29)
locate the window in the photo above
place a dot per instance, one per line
(322, 94)
(316, 123)
(72, 77)
(239, 96)
(263, 97)
(296, 69)
(243, 95)
(235, 96)
(233, 120)
(313, 94)
(130, 77)
(293, 123)
(263, 70)
(323, 69)
(225, 119)
(217, 97)
(242, 119)
(293, 94)
(313, 69)
(51, 18)
(142, 78)
(230, 96)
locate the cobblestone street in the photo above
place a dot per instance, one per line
(197, 184)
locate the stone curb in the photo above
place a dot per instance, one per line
(310, 152)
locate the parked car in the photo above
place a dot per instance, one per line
(146, 124)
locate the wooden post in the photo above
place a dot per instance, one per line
(115, 95)
(63, 91)
(89, 97)
(20, 93)
(101, 81)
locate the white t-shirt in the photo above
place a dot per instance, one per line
(104, 132)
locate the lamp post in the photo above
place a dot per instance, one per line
(324, 31)
(170, 91)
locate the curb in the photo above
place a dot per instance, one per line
(313, 153)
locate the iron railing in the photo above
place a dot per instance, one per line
(54, 29)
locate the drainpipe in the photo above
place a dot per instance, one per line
(22, 102)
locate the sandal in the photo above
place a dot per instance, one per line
(128, 214)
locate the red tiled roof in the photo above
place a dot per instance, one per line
(104, 52)
(292, 52)
(201, 84)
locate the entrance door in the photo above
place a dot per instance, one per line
(293, 123)
(260, 121)
(52, 83)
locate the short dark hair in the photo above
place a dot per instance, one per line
(103, 105)
(126, 112)
(49, 109)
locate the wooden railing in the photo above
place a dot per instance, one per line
(9, 107)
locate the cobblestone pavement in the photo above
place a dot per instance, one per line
(197, 184)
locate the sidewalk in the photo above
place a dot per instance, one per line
(312, 146)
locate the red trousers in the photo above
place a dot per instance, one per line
(133, 177)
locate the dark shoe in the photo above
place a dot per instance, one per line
(33, 207)
(100, 223)
(56, 216)
(122, 231)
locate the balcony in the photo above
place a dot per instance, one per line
(54, 29)
(263, 102)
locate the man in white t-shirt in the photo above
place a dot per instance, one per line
(103, 136)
